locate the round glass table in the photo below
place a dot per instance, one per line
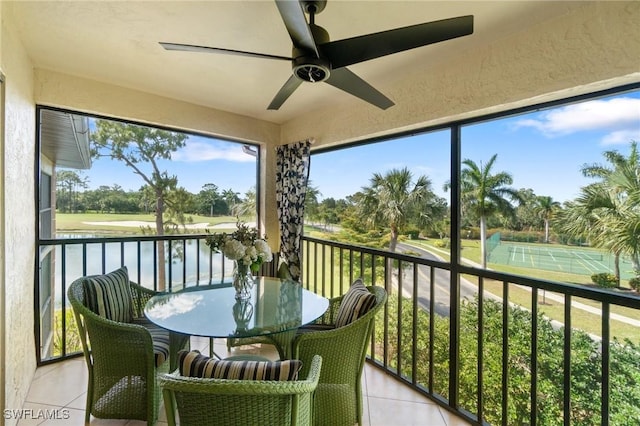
(276, 309)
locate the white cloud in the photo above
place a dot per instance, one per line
(620, 137)
(195, 151)
(619, 117)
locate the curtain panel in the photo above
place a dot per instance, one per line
(292, 174)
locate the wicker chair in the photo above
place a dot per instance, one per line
(120, 358)
(224, 402)
(343, 349)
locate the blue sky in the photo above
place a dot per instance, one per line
(542, 151)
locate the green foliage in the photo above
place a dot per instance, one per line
(586, 361)
(605, 280)
(522, 236)
(396, 202)
(443, 243)
(412, 233)
(71, 333)
(634, 283)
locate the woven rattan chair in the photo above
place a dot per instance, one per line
(343, 350)
(224, 402)
(120, 359)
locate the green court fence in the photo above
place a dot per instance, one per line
(492, 242)
(568, 259)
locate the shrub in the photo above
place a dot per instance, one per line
(413, 234)
(634, 283)
(604, 280)
(443, 243)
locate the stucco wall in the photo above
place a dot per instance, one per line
(19, 217)
(593, 47)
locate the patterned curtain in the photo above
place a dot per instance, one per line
(292, 174)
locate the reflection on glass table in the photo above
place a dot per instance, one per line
(275, 309)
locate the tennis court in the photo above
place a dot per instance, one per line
(575, 260)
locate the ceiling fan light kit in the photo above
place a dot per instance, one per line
(316, 59)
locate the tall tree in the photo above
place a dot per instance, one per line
(591, 216)
(248, 206)
(485, 194)
(141, 148)
(546, 207)
(179, 202)
(612, 205)
(231, 198)
(69, 183)
(208, 196)
(391, 199)
(312, 202)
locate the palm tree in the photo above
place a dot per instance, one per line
(231, 198)
(393, 200)
(247, 207)
(594, 214)
(484, 194)
(311, 202)
(612, 206)
(545, 208)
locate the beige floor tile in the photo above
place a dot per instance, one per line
(366, 420)
(70, 417)
(383, 386)
(453, 420)
(61, 385)
(388, 412)
(32, 414)
(79, 403)
(112, 422)
(41, 371)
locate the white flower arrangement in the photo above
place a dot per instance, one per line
(244, 245)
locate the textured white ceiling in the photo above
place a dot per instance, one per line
(117, 42)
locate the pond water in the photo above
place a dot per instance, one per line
(190, 262)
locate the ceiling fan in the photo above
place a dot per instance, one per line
(317, 59)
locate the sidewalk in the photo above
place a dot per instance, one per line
(548, 295)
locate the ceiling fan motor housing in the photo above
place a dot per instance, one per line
(306, 66)
(311, 69)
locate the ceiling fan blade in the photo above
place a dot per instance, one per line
(293, 16)
(285, 91)
(346, 80)
(351, 51)
(205, 49)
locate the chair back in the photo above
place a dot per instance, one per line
(120, 361)
(344, 350)
(93, 328)
(224, 402)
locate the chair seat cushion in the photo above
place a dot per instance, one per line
(109, 295)
(160, 338)
(356, 302)
(193, 364)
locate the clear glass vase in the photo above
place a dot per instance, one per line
(242, 314)
(243, 281)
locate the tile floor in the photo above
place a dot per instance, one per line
(387, 402)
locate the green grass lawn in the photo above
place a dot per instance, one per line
(321, 276)
(79, 222)
(551, 308)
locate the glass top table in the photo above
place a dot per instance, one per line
(276, 308)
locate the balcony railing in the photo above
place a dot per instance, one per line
(486, 345)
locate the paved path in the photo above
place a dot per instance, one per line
(549, 295)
